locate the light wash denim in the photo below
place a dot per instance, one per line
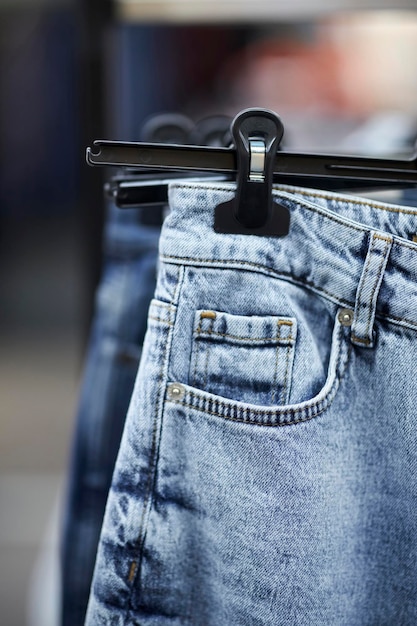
(127, 286)
(267, 470)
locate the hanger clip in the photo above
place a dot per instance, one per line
(257, 134)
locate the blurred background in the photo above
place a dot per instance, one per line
(341, 74)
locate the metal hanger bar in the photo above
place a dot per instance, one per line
(340, 166)
(163, 156)
(287, 164)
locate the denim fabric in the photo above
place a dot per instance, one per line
(266, 474)
(127, 285)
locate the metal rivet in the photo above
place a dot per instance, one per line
(175, 391)
(345, 317)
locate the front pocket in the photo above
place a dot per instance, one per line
(245, 358)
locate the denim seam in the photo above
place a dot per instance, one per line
(154, 449)
(326, 403)
(363, 228)
(181, 277)
(285, 390)
(313, 410)
(207, 356)
(158, 319)
(195, 355)
(285, 276)
(157, 304)
(275, 379)
(282, 341)
(307, 194)
(165, 305)
(372, 205)
(263, 268)
(285, 342)
(395, 318)
(359, 227)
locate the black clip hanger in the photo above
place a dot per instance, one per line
(258, 157)
(287, 165)
(257, 134)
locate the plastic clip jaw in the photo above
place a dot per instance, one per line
(257, 134)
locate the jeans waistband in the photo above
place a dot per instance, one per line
(325, 250)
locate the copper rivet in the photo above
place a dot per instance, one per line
(208, 314)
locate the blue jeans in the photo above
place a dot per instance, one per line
(267, 468)
(128, 282)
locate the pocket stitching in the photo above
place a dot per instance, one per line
(199, 376)
(277, 338)
(284, 392)
(283, 416)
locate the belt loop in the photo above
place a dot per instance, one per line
(368, 289)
